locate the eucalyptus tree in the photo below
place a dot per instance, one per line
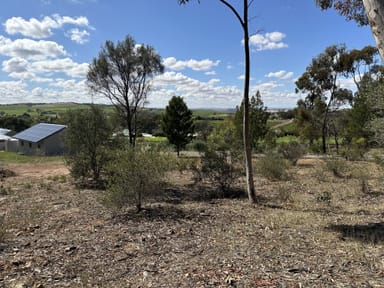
(320, 83)
(364, 12)
(359, 63)
(243, 21)
(122, 73)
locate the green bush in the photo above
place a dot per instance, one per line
(272, 167)
(292, 151)
(355, 151)
(338, 167)
(316, 147)
(220, 168)
(135, 174)
(87, 139)
(220, 161)
(199, 146)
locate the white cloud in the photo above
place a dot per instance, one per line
(214, 93)
(275, 95)
(268, 41)
(65, 65)
(347, 83)
(78, 36)
(242, 77)
(265, 87)
(30, 49)
(196, 65)
(39, 29)
(12, 92)
(59, 90)
(210, 73)
(196, 93)
(282, 74)
(17, 68)
(17, 65)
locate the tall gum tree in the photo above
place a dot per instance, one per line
(319, 82)
(244, 20)
(364, 12)
(122, 73)
(375, 14)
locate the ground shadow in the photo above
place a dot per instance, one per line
(368, 233)
(4, 173)
(200, 193)
(157, 212)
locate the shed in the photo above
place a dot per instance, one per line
(4, 131)
(42, 139)
(4, 138)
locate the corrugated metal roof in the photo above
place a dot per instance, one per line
(4, 131)
(39, 132)
(5, 137)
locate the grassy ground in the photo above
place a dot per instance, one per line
(11, 158)
(36, 109)
(318, 228)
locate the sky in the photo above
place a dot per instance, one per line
(46, 47)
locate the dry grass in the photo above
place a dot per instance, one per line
(59, 236)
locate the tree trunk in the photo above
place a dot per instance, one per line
(375, 13)
(130, 132)
(247, 143)
(337, 143)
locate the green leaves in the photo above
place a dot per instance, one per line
(177, 123)
(123, 73)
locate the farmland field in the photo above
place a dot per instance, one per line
(36, 109)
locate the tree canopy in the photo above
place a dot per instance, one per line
(177, 123)
(350, 9)
(122, 73)
(258, 116)
(364, 12)
(319, 83)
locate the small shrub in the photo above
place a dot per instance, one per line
(5, 190)
(199, 146)
(58, 178)
(363, 177)
(270, 140)
(87, 140)
(220, 168)
(292, 151)
(316, 147)
(285, 194)
(355, 151)
(338, 167)
(325, 197)
(134, 175)
(272, 167)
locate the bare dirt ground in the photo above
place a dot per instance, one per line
(313, 230)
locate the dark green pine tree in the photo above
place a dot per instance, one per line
(177, 123)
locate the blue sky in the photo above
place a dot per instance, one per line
(46, 46)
